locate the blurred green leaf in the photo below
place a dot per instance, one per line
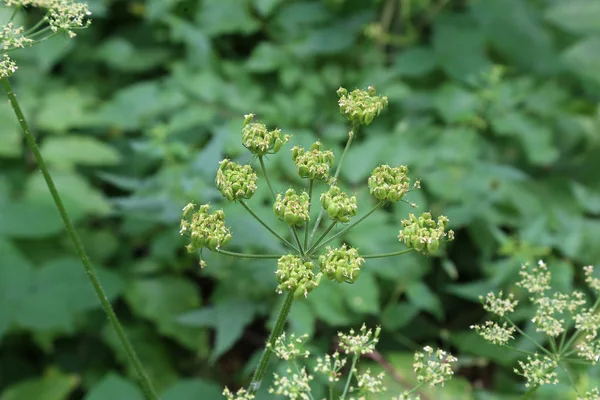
(415, 61)
(362, 296)
(10, 134)
(421, 296)
(114, 387)
(82, 150)
(29, 220)
(192, 389)
(218, 17)
(577, 16)
(54, 385)
(584, 58)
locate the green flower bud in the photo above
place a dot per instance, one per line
(204, 229)
(389, 184)
(292, 208)
(235, 181)
(338, 205)
(312, 164)
(259, 140)
(424, 234)
(342, 264)
(295, 275)
(360, 107)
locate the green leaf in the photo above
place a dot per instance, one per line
(398, 316)
(456, 104)
(161, 300)
(54, 385)
(123, 55)
(415, 61)
(577, 16)
(362, 296)
(423, 298)
(266, 7)
(266, 57)
(584, 58)
(81, 150)
(302, 318)
(114, 387)
(193, 389)
(28, 219)
(220, 17)
(61, 110)
(328, 304)
(10, 134)
(362, 158)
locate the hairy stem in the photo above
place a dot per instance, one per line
(261, 369)
(147, 387)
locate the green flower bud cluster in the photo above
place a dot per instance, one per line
(338, 205)
(259, 140)
(361, 106)
(389, 184)
(341, 264)
(424, 234)
(292, 208)
(235, 181)
(295, 275)
(204, 229)
(312, 164)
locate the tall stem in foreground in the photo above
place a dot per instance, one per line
(149, 392)
(261, 369)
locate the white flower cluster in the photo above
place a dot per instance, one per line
(362, 343)
(538, 371)
(433, 366)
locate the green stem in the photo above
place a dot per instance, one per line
(571, 380)
(337, 173)
(576, 335)
(264, 171)
(261, 369)
(350, 374)
(396, 253)
(149, 392)
(256, 217)
(33, 28)
(539, 346)
(315, 247)
(530, 392)
(295, 233)
(329, 228)
(245, 255)
(306, 228)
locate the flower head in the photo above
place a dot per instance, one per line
(341, 264)
(593, 283)
(204, 229)
(535, 279)
(423, 233)
(66, 15)
(295, 275)
(338, 205)
(291, 348)
(293, 385)
(235, 181)
(241, 394)
(259, 140)
(362, 342)
(389, 184)
(538, 371)
(314, 163)
(292, 208)
(498, 305)
(360, 107)
(7, 66)
(11, 37)
(495, 333)
(433, 367)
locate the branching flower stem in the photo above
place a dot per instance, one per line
(147, 388)
(396, 253)
(264, 171)
(261, 369)
(246, 255)
(337, 173)
(329, 228)
(243, 203)
(564, 350)
(310, 200)
(316, 247)
(350, 375)
(539, 346)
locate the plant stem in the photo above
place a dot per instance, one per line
(261, 369)
(539, 346)
(575, 335)
(329, 228)
(295, 233)
(306, 228)
(243, 203)
(350, 374)
(245, 255)
(264, 171)
(531, 391)
(337, 173)
(149, 392)
(396, 253)
(315, 247)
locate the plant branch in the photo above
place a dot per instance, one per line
(149, 392)
(245, 255)
(307, 227)
(261, 369)
(243, 203)
(329, 228)
(396, 253)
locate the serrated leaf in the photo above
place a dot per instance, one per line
(114, 387)
(78, 150)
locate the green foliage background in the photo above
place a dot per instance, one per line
(493, 105)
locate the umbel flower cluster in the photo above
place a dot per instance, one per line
(310, 256)
(570, 323)
(60, 16)
(433, 367)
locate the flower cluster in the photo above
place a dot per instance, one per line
(535, 279)
(7, 66)
(204, 229)
(241, 394)
(330, 366)
(66, 15)
(497, 304)
(259, 140)
(291, 348)
(433, 367)
(312, 164)
(11, 37)
(338, 205)
(293, 385)
(295, 275)
(494, 332)
(341, 264)
(235, 181)
(593, 394)
(424, 234)
(368, 383)
(292, 208)
(389, 184)
(593, 283)
(538, 371)
(360, 107)
(363, 342)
